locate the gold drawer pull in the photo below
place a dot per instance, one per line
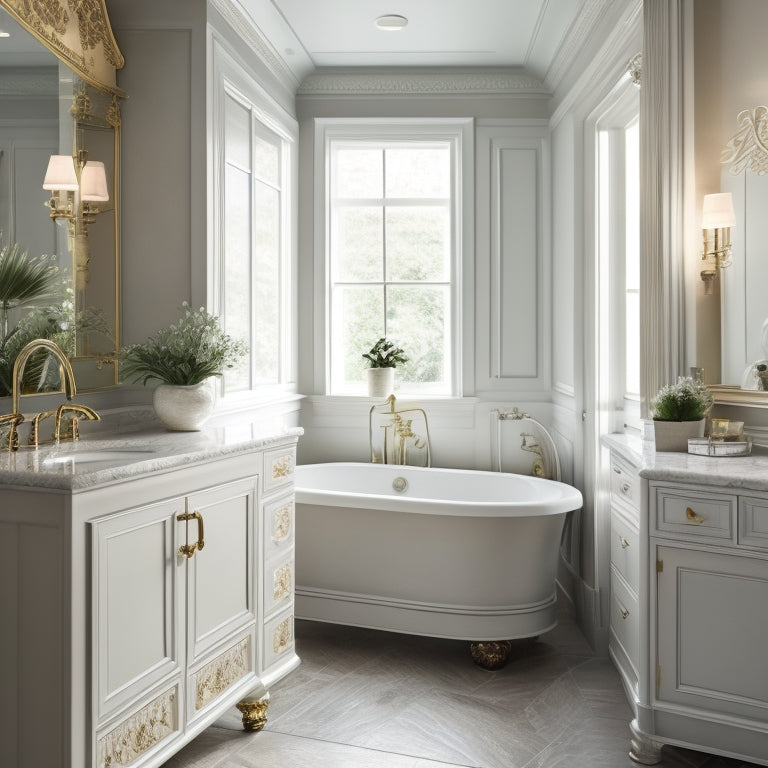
(624, 543)
(187, 550)
(691, 516)
(624, 613)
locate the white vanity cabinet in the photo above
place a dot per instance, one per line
(138, 611)
(694, 661)
(709, 619)
(623, 642)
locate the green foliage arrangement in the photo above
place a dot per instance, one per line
(186, 353)
(23, 278)
(384, 354)
(687, 400)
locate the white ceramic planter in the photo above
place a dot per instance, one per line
(182, 408)
(673, 435)
(381, 382)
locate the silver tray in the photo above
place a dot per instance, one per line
(703, 446)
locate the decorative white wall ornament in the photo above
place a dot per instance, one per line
(747, 149)
(411, 84)
(635, 69)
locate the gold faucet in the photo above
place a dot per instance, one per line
(73, 434)
(65, 369)
(66, 374)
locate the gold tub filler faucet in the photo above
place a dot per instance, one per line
(67, 376)
(399, 443)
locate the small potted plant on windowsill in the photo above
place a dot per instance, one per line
(679, 412)
(383, 357)
(184, 358)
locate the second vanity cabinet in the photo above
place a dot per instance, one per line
(153, 605)
(694, 662)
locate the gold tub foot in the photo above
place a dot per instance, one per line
(492, 654)
(254, 712)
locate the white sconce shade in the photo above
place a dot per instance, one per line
(93, 182)
(717, 211)
(61, 175)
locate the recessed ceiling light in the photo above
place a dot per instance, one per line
(391, 23)
(4, 34)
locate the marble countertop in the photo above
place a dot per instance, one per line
(103, 459)
(740, 472)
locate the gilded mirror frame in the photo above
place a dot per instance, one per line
(79, 34)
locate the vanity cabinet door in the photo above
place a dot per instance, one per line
(221, 591)
(713, 631)
(137, 596)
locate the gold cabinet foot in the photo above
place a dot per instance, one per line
(254, 712)
(492, 654)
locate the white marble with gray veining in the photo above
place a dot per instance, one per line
(740, 472)
(102, 459)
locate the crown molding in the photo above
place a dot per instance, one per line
(35, 82)
(589, 14)
(408, 83)
(253, 35)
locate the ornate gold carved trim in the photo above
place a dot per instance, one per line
(79, 34)
(282, 637)
(140, 732)
(282, 466)
(218, 675)
(254, 713)
(282, 581)
(281, 522)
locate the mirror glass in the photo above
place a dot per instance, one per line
(45, 110)
(743, 287)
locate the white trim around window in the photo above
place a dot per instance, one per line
(459, 133)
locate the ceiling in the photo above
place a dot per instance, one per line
(519, 34)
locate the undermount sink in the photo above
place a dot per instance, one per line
(100, 457)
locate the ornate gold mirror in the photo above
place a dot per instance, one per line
(59, 104)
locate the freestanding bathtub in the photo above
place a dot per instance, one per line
(448, 553)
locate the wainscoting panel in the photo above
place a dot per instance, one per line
(512, 267)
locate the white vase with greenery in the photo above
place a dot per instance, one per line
(184, 358)
(383, 357)
(679, 412)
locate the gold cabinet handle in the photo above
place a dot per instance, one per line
(624, 543)
(624, 613)
(692, 517)
(187, 550)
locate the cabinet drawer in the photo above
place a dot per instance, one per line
(279, 467)
(695, 515)
(753, 522)
(625, 618)
(279, 516)
(278, 584)
(625, 484)
(625, 550)
(140, 733)
(278, 637)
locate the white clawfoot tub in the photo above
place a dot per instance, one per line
(447, 553)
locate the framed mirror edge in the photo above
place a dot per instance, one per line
(726, 394)
(105, 54)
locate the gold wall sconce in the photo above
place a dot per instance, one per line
(717, 218)
(75, 185)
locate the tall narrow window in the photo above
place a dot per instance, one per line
(391, 217)
(619, 271)
(253, 272)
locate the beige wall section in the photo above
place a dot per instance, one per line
(731, 74)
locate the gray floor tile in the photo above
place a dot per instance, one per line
(367, 699)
